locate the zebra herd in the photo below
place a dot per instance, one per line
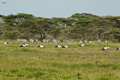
(25, 40)
(58, 41)
(46, 40)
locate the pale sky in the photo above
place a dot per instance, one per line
(60, 8)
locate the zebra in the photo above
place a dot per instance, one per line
(46, 40)
(21, 40)
(56, 41)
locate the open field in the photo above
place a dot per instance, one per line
(49, 63)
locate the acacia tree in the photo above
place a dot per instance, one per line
(12, 24)
(78, 26)
(45, 27)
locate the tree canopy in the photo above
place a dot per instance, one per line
(78, 26)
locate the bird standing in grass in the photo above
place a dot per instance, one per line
(118, 49)
(58, 46)
(105, 48)
(82, 45)
(5, 43)
(41, 46)
(23, 45)
(65, 46)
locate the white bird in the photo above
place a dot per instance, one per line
(5, 43)
(106, 48)
(66, 46)
(23, 45)
(41, 46)
(58, 46)
(81, 45)
(80, 41)
(118, 49)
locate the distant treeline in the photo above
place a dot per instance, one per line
(79, 26)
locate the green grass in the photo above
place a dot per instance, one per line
(49, 63)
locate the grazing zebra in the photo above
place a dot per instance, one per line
(56, 41)
(81, 42)
(36, 40)
(46, 40)
(66, 46)
(105, 48)
(33, 40)
(86, 41)
(99, 41)
(21, 40)
(67, 41)
(41, 46)
(23, 45)
(58, 46)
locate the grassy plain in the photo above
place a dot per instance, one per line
(49, 63)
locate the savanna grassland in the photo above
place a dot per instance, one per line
(49, 63)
